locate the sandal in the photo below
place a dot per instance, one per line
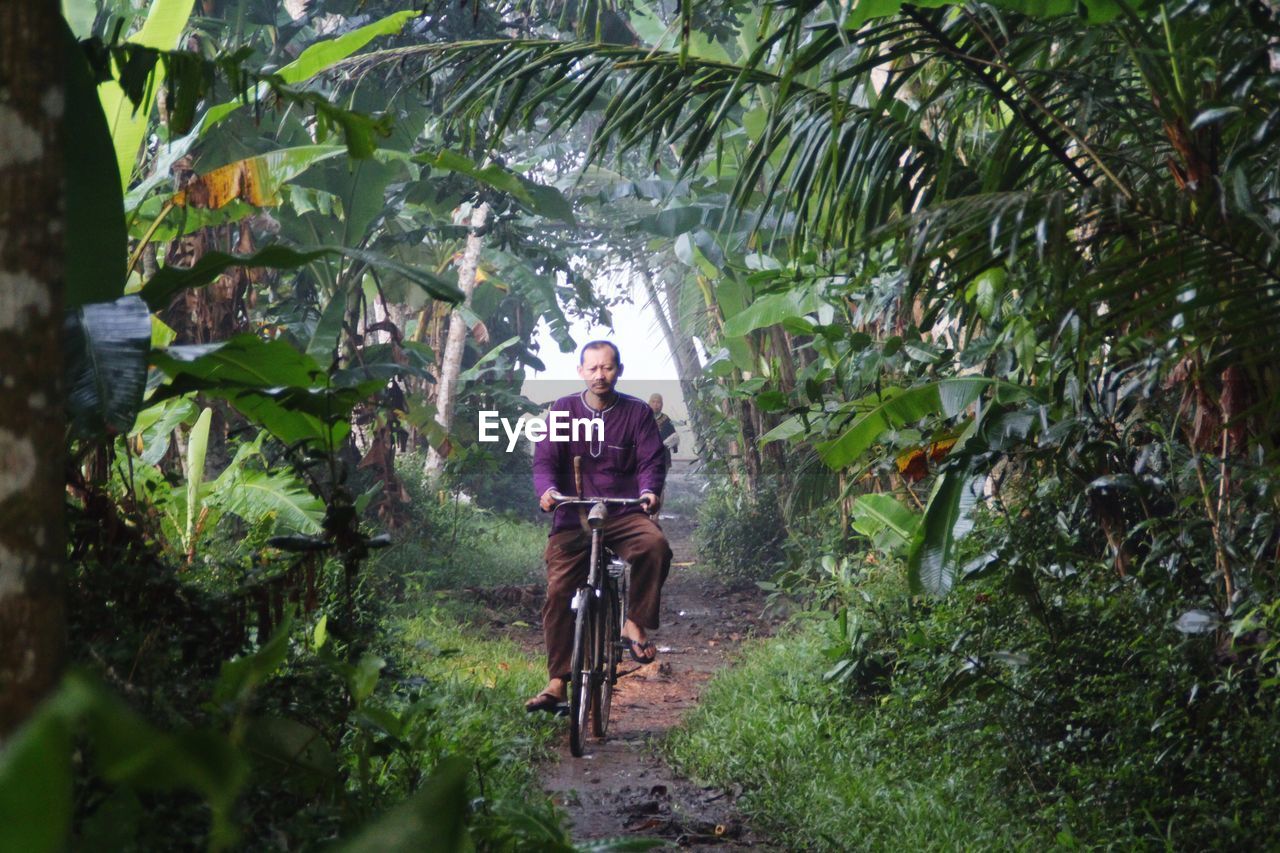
(649, 649)
(545, 701)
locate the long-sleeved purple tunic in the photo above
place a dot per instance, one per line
(630, 460)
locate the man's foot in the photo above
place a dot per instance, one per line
(552, 698)
(642, 651)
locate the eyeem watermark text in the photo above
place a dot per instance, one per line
(559, 426)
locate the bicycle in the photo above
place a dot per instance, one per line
(600, 606)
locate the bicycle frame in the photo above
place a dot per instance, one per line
(600, 610)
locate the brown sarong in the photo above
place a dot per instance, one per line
(635, 538)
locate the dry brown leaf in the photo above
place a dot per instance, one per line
(247, 180)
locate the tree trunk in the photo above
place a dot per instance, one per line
(785, 374)
(455, 343)
(348, 343)
(786, 360)
(750, 451)
(733, 452)
(686, 359)
(686, 355)
(32, 423)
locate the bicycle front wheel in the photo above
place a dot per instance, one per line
(609, 644)
(583, 663)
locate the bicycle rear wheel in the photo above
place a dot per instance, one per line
(610, 651)
(582, 663)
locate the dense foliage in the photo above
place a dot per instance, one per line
(976, 300)
(331, 722)
(1008, 271)
(267, 282)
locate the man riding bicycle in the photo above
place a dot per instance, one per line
(628, 461)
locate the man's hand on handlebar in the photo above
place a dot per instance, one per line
(551, 498)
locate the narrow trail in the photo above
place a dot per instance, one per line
(622, 787)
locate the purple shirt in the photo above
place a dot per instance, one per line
(629, 461)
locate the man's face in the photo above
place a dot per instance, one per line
(655, 403)
(600, 370)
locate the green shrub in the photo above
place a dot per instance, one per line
(739, 535)
(361, 706)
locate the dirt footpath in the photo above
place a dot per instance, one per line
(621, 787)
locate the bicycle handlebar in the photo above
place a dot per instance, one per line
(566, 500)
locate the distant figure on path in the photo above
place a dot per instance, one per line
(666, 428)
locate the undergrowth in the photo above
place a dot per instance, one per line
(324, 722)
(739, 533)
(962, 723)
(816, 774)
(480, 549)
(477, 687)
(447, 542)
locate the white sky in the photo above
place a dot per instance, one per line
(635, 332)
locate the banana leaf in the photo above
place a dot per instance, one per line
(897, 407)
(106, 367)
(168, 281)
(277, 387)
(165, 23)
(931, 563)
(97, 241)
(874, 516)
(770, 310)
(197, 450)
(155, 425)
(540, 199)
(254, 495)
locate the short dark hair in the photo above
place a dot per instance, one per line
(617, 356)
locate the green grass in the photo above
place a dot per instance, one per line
(474, 682)
(462, 547)
(447, 542)
(480, 683)
(479, 680)
(509, 551)
(819, 773)
(452, 687)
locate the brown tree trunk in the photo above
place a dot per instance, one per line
(781, 345)
(32, 545)
(455, 343)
